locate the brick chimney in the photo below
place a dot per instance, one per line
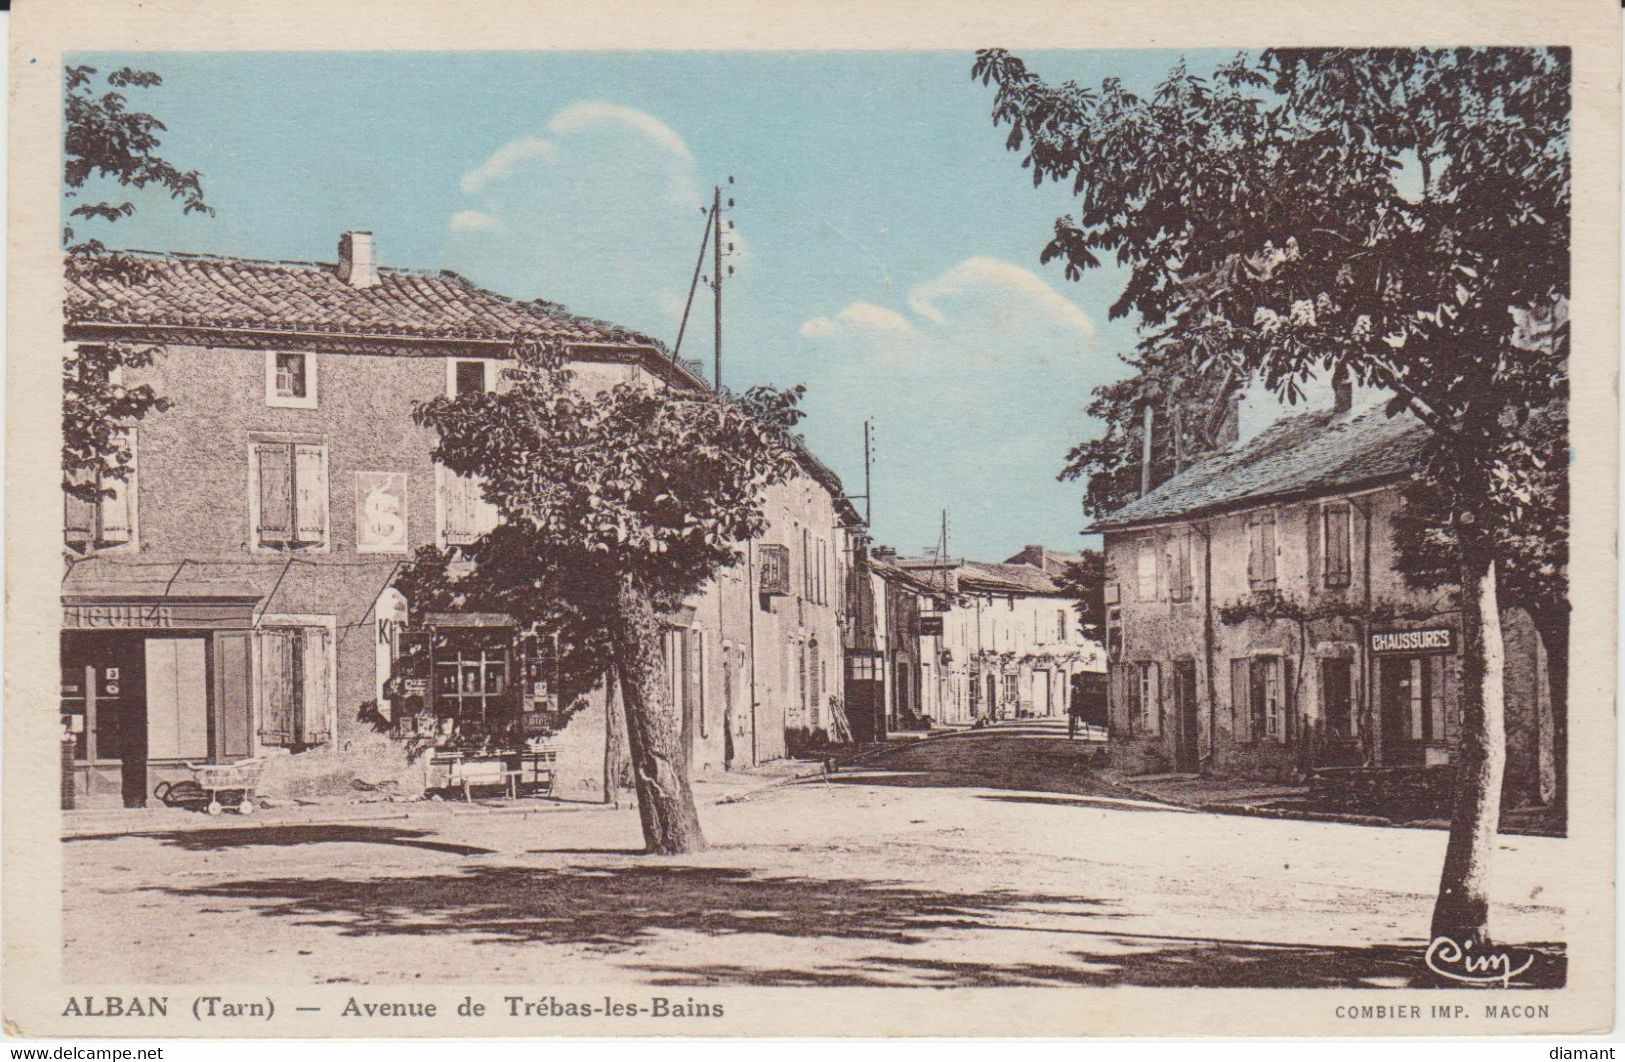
(1230, 427)
(357, 265)
(1342, 392)
(1033, 557)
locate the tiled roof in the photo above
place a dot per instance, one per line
(1319, 452)
(976, 576)
(203, 291)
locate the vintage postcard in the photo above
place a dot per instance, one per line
(821, 519)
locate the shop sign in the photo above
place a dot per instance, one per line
(380, 512)
(1423, 640)
(930, 625)
(156, 615)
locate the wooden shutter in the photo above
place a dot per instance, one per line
(1289, 703)
(1257, 696)
(78, 519)
(1153, 708)
(274, 469)
(1241, 711)
(234, 694)
(310, 480)
(279, 692)
(313, 718)
(1337, 545)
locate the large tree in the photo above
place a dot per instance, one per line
(616, 505)
(1390, 214)
(108, 151)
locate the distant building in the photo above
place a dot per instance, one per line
(1257, 624)
(1000, 641)
(883, 665)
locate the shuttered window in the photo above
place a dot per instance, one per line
(467, 514)
(1335, 520)
(290, 485)
(109, 520)
(295, 683)
(1242, 724)
(1179, 566)
(1261, 552)
(1151, 698)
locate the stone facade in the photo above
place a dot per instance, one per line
(200, 605)
(1249, 643)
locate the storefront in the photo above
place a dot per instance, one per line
(1413, 678)
(150, 684)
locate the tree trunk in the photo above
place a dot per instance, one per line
(1552, 622)
(614, 722)
(665, 801)
(1462, 910)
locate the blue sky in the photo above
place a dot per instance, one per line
(886, 242)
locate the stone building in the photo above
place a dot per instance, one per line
(999, 641)
(235, 597)
(883, 667)
(1257, 623)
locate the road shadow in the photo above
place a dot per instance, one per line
(624, 909)
(289, 836)
(1108, 803)
(1131, 959)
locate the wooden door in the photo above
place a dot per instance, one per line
(233, 708)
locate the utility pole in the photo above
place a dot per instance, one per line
(716, 272)
(868, 512)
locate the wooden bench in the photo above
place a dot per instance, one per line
(512, 771)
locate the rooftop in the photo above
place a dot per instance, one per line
(172, 290)
(1314, 453)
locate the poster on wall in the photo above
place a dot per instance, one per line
(380, 512)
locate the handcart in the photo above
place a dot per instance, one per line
(219, 779)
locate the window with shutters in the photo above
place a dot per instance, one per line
(1060, 624)
(110, 520)
(1179, 566)
(1241, 701)
(1335, 522)
(465, 514)
(1268, 695)
(469, 376)
(290, 379)
(288, 495)
(1261, 552)
(1150, 699)
(1147, 570)
(294, 663)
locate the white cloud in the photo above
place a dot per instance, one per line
(474, 221)
(862, 316)
(596, 114)
(1012, 291)
(505, 159)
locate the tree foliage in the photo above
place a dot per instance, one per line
(1396, 217)
(106, 144)
(615, 506)
(1085, 579)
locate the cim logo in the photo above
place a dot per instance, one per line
(1458, 962)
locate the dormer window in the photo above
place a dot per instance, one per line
(290, 379)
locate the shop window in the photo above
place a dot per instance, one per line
(296, 685)
(471, 681)
(1335, 522)
(1261, 552)
(109, 520)
(290, 379)
(288, 495)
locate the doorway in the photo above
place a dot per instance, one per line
(1186, 733)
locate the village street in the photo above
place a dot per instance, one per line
(985, 858)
